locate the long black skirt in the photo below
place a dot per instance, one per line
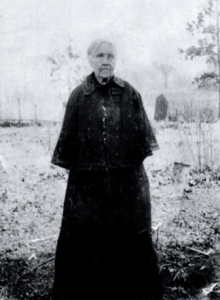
(105, 251)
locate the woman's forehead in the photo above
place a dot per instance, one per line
(104, 47)
(101, 43)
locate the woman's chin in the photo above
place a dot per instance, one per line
(105, 74)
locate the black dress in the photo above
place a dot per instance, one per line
(105, 249)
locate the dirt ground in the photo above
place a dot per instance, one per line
(185, 215)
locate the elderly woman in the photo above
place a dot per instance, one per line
(105, 250)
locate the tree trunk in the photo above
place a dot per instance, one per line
(219, 100)
(165, 81)
(218, 43)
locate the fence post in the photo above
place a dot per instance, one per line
(35, 114)
(19, 111)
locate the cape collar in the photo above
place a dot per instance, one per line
(90, 83)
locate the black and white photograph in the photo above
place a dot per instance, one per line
(110, 150)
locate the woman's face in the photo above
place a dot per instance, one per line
(103, 60)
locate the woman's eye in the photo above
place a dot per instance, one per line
(100, 55)
(110, 56)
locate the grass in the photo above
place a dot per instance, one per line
(189, 222)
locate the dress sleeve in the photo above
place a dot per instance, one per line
(151, 136)
(147, 136)
(66, 151)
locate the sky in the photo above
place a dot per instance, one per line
(143, 31)
(143, 27)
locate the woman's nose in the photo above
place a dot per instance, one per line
(105, 59)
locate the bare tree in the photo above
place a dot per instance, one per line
(206, 28)
(165, 69)
(63, 66)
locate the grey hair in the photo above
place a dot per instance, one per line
(93, 46)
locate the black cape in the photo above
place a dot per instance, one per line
(104, 126)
